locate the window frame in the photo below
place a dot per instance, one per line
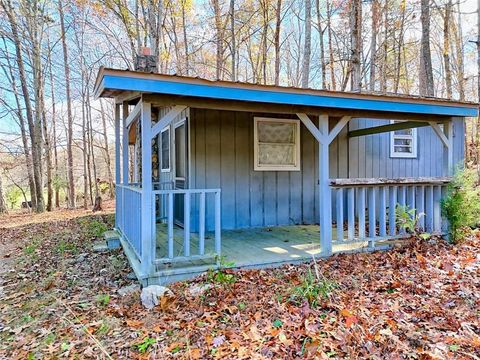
(257, 165)
(403, 155)
(169, 169)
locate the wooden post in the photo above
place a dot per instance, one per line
(118, 172)
(125, 167)
(146, 206)
(325, 192)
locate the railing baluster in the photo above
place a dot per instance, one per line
(429, 208)
(186, 224)
(372, 216)
(421, 206)
(361, 212)
(218, 239)
(201, 225)
(382, 215)
(170, 224)
(437, 216)
(339, 195)
(392, 204)
(351, 213)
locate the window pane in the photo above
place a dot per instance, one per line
(276, 154)
(408, 132)
(269, 132)
(404, 142)
(166, 150)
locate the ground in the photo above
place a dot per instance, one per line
(58, 298)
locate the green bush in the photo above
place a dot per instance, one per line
(461, 205)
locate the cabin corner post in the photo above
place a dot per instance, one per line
(125, 169)
(448, 150)
(325, 191)
(147, 199)
(118, 172)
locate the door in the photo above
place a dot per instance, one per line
(180, 143)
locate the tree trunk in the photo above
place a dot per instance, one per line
(323, 71)
(185, 39)
(3, 204)
(218, 39)
(446, 48)
(460, 55)
(54, 128)
(307, 50)
(107, 153)
(276, 41)
(384, 65)
(356, 44)
(373, 45)
(426, 71)
(71, 180)
(330, 47)
(400, 46)
(233, 42)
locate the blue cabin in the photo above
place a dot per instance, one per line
(263, 175)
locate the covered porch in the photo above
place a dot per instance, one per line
(170, 231)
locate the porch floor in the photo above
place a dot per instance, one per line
(253, 246)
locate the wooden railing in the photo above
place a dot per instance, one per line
(128, 215)
(367, 206)
(175, 200)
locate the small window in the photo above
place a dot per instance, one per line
(165, 149)
(403, 143)
(276, 144)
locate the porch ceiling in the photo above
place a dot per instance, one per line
(169, 89)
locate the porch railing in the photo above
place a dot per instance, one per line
(367, 206)
(177, 209)
(129, 215)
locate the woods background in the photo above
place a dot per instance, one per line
(56, 140)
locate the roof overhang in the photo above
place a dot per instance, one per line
(114, 83)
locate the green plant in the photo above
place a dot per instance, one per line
(62, 247)
(219, 275)
(146, 343)
(13, 196)
(95, 228)
(461, 205)
(407, 219)
(312, 288)
(103, 299)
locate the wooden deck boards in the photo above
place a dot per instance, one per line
(253, 246)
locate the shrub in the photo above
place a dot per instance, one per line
(461, 205)
(313, 288)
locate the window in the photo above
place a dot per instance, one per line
(165, 149)
(276, 144)
(403, 143)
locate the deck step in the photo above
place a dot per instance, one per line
(112, 239)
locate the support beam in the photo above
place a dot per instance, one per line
(125, 164)
(167, 119)
(118, 171)
(317, 134)
(446, 136)
(338, 127)
(325, 191)
(146, 207)
(388, 128)
(134, 114)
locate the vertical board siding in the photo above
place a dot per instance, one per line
(222, 156)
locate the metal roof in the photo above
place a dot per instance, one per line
(114, 82)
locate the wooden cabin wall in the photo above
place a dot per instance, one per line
(221, 156)
(369, 156)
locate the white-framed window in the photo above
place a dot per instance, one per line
(276, 144)
(165, 149)
(403, 143)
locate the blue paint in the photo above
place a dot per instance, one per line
(276, 97)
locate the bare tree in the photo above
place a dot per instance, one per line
(426, 85)
(307, 50)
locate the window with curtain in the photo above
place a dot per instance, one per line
(276, 144)
(403, 143)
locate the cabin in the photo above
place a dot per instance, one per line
(209, 172)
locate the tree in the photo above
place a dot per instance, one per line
(3, 204)
(307, 51)
(426, 86)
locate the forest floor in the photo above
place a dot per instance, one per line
(60, 299)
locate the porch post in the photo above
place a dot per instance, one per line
(118, 180)
(146, 206)
(325, 192)
(125, 170)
